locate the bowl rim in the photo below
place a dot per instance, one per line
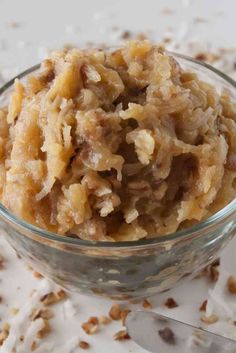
(195, 230)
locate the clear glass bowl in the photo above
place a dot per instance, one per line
(124, 270)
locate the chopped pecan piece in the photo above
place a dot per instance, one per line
(115, 312)
(33, 346)
(203, 306)
(93, 320)
(45, 330)
(121, 335)
(4, 333)
(91, 325)
(1, 262)
(146, 304)
(43, 313)
(231, 284)
(171, 303)
(37, 275)
(53, 297)
(89, 328)
(84, 345)
(214, 272)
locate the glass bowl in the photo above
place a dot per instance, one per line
(124, 270)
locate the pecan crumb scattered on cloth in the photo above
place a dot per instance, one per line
(171, 303)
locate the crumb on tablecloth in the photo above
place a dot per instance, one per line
(52, 297)
(84, 345)
(170, 303)
(231, 284)
(46, 329)
(121, 335)
(4, 333)
(115, 312)
(211, 271)
(44, 313)
(214, 270)
(1, 262)
(203, 306)
(146, 304)
(91, 326)
(126, 35)
(37, 275)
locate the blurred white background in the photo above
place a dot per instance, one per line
(29, 28)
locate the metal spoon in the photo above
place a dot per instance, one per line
(157, 333)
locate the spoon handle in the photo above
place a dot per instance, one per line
(157, 333)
